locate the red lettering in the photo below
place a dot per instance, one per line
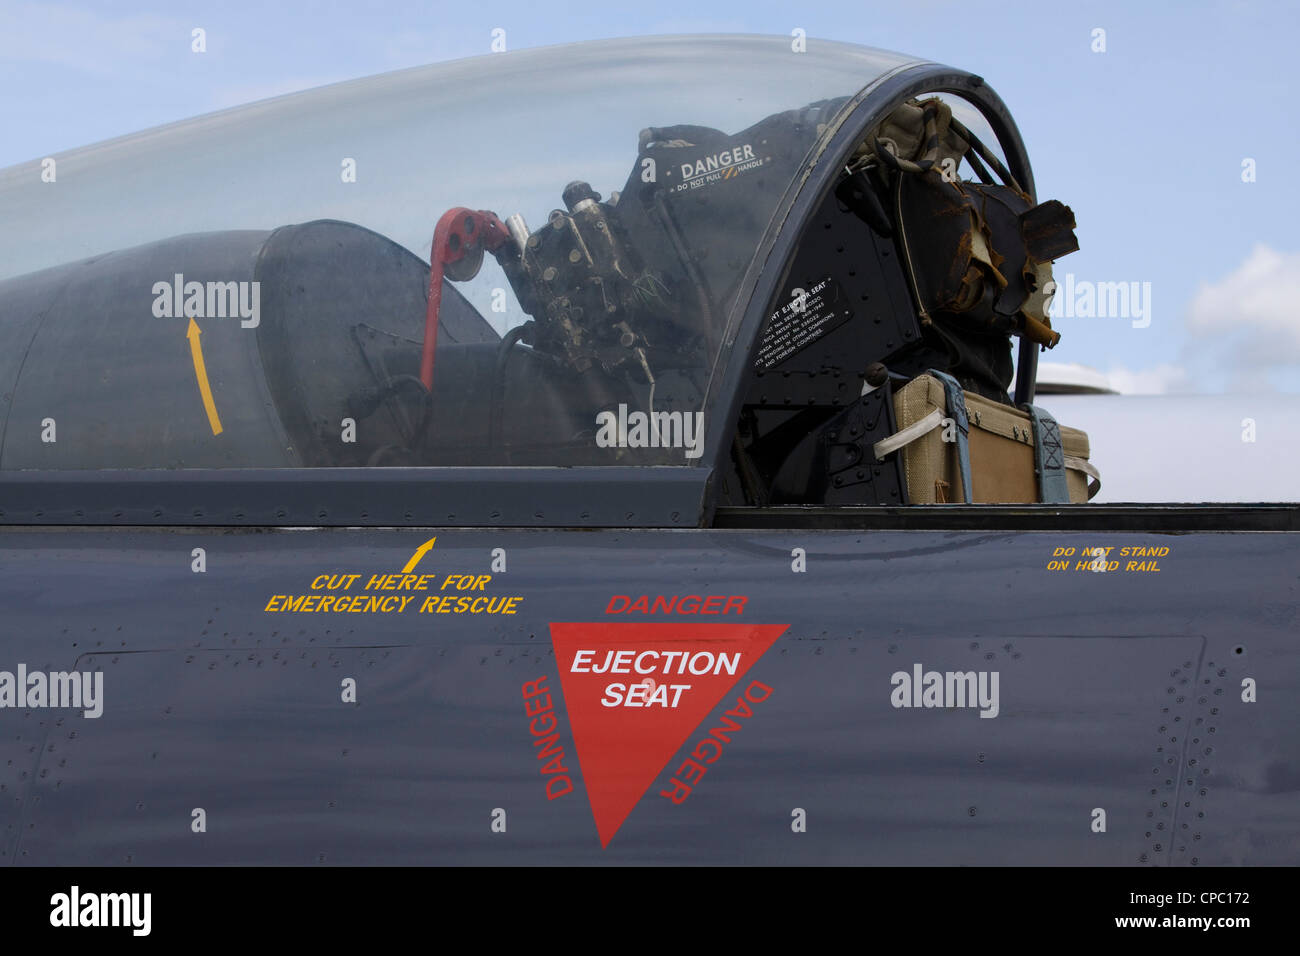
(551, 748)
(729, 725)
(555, 766)
(717, 749)
(532, 725)
(742, 709)
(678, 787)
(538, 705)
(664, 605)
(541, 707)
(676, 604)
(693, 770)
(685, 771)
(635, 694)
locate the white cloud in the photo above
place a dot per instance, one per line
(1156, 380)
(1254, 313)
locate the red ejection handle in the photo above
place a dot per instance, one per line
(460, 236)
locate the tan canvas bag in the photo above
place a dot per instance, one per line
(1001, 450)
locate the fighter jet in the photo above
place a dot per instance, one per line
(628, 451)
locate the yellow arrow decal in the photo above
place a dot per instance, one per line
(201, 374)
(420, 552)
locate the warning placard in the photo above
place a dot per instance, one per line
(635, 692)
(806, 316)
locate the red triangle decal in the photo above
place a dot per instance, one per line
(635, 692)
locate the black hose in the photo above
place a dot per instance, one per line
(498, 381)
(414, 381)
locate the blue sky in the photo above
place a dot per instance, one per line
(1145, 141)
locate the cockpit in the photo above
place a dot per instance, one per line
(725, 253)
